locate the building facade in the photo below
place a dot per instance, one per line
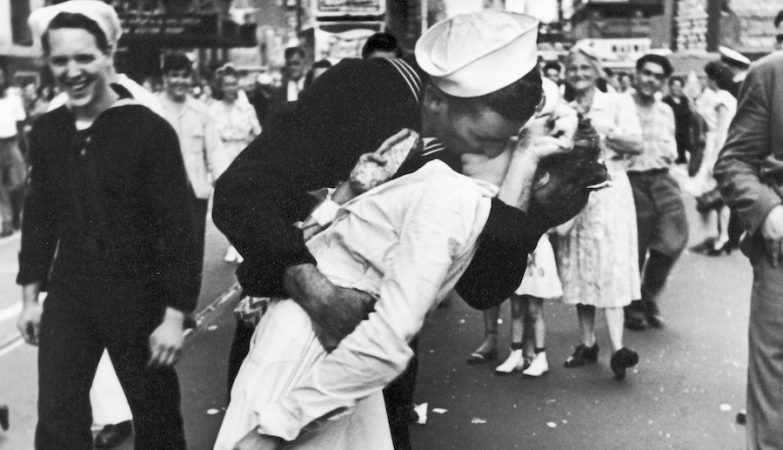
(17, 55)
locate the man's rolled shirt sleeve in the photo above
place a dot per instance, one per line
(746, 163)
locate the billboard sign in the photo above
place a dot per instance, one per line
(337, 40)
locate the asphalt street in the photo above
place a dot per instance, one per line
(684, 394)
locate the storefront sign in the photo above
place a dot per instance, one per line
(185, 27)
(332, 8)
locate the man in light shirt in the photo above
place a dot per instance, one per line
(196, 132)
(660, 214)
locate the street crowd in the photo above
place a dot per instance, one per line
(358, 197)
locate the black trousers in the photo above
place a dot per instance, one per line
(81, 317)
(398, 395)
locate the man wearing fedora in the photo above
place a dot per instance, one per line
(750, 176)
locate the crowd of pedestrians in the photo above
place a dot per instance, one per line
(445, 170)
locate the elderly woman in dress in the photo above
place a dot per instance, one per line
(597, 251)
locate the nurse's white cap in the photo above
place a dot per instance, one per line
(101, 13)
(470, 55)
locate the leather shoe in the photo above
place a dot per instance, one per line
(113, 435)
(582, 355)
(621, 360)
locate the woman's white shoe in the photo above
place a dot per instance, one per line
(514, 363)
(538, 366)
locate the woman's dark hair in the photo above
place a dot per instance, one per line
(175, 62)
(385, 42)
(720, 73)
(517, 101)
(320, 64)
(75, 20)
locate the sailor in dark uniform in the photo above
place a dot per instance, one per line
(349, 111)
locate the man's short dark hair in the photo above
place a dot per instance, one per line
(655, 59)
(289, 52)
(517, 101)
(675, 79)
(552, 65)
(174, 62)
(384, 42)
(779, 18)
(75, 20)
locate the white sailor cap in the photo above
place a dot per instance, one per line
(101, 13)
(732, 56)
(470, 55)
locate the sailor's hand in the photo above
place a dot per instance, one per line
(168, 339)
(341, 313)
(29, 323)
(565, 121)
(535, 143)
(334, 311)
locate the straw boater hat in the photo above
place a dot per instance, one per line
(101, 13)
(470, 55)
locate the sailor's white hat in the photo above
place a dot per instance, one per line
(101, 13)
(470, 55)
